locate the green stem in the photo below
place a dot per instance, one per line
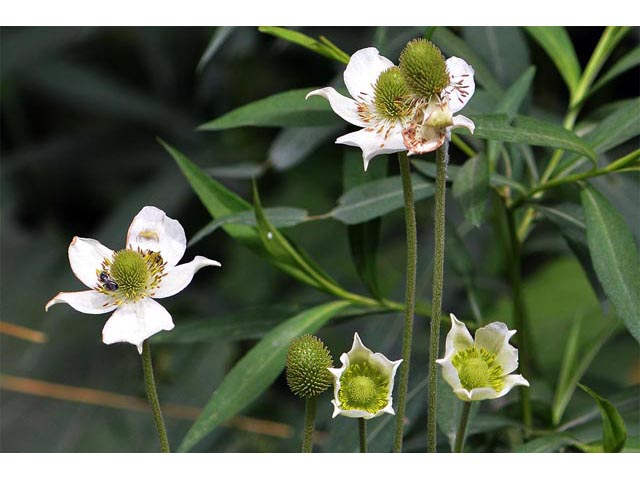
(462, 428)
(442, 158)
(362, 427)
(519, 315)
(309, 422)
(410, 297)
(152, 396)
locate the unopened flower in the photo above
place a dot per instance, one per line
(308, 361)
(364, 383)
(128, 280)
(439, 89)
(378, 104)
(479, 369)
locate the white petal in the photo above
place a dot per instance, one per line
(460, 121)
(421, 139)
(388, 367)
(341, 105)
(449, 372)
(351, 413)
(88, 301)
(151, 229)
(461, 83)
(85, 257)
(511, 381)
(493, 337)
(358, 351)
(484, 393)
(362, 72)
(135, 322)
(180, 276)
(374, 144)
(458, 337)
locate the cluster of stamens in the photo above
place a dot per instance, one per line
(477, 368)
(363, 387)
(130, 275)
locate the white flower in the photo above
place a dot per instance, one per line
(433, 115)
(364, 383)
(127, 280)
(376, 106)
(479, 370)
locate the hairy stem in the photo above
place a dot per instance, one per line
(362, 424)
(462, 427)
(442, 158)
(309, 422)
(410, 297)
(152, 396)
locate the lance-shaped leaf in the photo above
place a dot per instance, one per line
(322, 46)
(256, 371)
(614, 431)
(471, 188)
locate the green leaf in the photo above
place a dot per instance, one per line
(556, 43)
(256, 371)
(547, 443)
(629, 61)
(287, 109)
(614, 432)
(217, 40)
(614, 256)
(277, 216)
(285, 255)
(530, 131)
(616, 128)
(576, 361)
(218, 201)
(322, 47)
(453, 45)
(504, 49)
(364, 237)
(293, 145)
(377, 198)
(471, 188)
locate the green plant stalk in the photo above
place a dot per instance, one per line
(519, 316)
(410, 296)
(362, 427)
(462, 427)
(152, 396)
(442, 158)
(309, 422)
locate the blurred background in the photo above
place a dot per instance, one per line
(81, 109)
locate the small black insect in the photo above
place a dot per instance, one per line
(109, 284)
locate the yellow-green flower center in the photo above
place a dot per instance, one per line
(390, 95)
(363, 386)
(477, 368)
(130, 275)
(423, 68)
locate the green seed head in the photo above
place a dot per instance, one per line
(363, 387)
(423, 68)
(478, 369)
(308, 361)
(131, 272)
(390, 94)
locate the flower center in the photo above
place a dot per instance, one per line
(390, 95)
(423, 68)
(478, 369)
(130, 275)
(363, 387)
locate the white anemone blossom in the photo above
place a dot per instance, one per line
(374, 106)
(364, 383)
(480, 369)
(128, 280)
(433, 118)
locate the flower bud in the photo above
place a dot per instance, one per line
(423, 68)
(307, 364)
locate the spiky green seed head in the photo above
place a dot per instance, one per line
(308, 361)
(423, 68)
(130, 271)
(391, 94)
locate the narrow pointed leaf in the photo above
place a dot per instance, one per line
(322, 47)
(471, 188)
(256, 371)
(614, 431)
(614, 256)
